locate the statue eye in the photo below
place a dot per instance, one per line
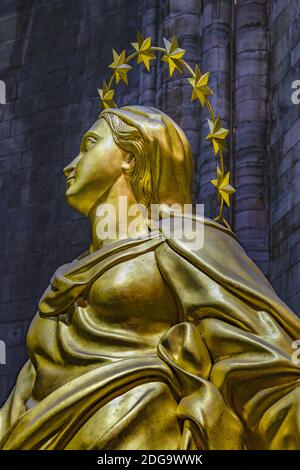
(89, 142)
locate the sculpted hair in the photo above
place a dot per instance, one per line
(130, 139)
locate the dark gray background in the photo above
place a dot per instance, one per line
(54, 55)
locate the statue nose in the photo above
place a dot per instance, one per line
(69, 170)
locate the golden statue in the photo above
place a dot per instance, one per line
(145, 343)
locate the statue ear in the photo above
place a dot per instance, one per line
(129, 164)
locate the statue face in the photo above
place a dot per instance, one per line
(97, 167)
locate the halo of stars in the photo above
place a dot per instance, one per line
(173, 55)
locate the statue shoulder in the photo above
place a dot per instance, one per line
(218, 253)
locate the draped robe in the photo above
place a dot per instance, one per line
(217, 373)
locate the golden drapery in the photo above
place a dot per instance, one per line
(222, 377)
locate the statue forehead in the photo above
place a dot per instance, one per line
(99, 127)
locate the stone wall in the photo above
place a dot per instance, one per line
(53, 56)
(284, 156)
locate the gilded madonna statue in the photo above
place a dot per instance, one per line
(147, 343)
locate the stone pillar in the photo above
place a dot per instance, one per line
(216, 51)
(182, 18)
(251, 98)
(148, 17)
(285, 151)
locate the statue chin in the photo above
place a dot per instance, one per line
(71, 201)
(152, 343)
(79, 204)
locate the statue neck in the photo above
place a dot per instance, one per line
(109, 218)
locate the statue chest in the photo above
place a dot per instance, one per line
(132, 294)
(124, 313)
(127, 308)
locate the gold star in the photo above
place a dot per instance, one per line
(221, 183)
(200, 88)
(107, 97)
(217, 135)
(173, 55)
(143, 47)
(120, 67)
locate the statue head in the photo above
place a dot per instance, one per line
(142, 145)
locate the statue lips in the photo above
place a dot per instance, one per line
(69, 181)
